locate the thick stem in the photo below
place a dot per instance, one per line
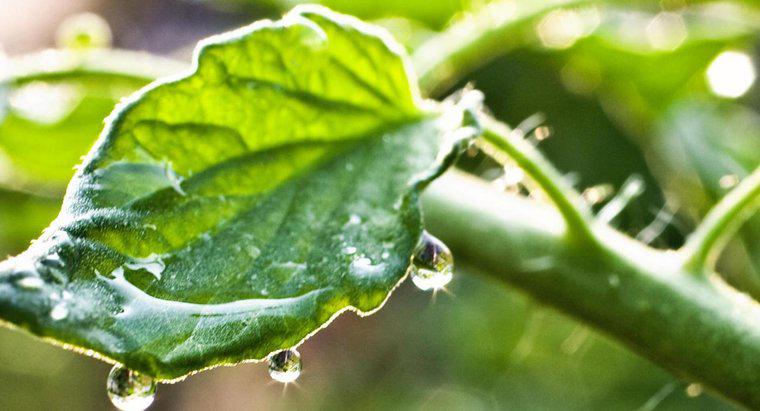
(703, 246)
(572, 208)
(696, 327)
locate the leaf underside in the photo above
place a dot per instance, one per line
(233, 212)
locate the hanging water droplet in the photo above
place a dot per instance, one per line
(432, 263)
(59, 311)
(129, 390)
(285, 366)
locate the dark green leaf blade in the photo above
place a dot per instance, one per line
(235, 211)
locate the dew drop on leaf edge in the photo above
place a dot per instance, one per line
(130, 390)
(432, 263)
(285, 366)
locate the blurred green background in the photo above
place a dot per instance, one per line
(664, 90)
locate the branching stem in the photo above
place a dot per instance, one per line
(703, 246)
(702, 331)
(570, 205)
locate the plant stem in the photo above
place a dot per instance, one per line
(570, 205)
(475, 40)
(704, 245)
(700, 329)
(642, 297)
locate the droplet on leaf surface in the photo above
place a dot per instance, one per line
(129, 390)
(432, 263)
(30, 282)
(60, 311)
(285, 366)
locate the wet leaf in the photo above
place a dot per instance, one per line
(233, 212)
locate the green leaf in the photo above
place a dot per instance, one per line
(56, 101)
(235, 211)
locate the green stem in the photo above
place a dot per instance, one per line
(701, 330)
(475, 40)
(643, 297)
(704, 245)
(570, 205)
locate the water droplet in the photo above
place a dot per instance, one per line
(175, 180)
(285, 366)
(253, 251)
(432, 263)
(349, 250)
(52, 260)
(30, 282)
(129, 390)
(59, 311)
(354, 219)
(152, 264)
(728, 181)
(362, 267)
(51, 266)
(694, 390)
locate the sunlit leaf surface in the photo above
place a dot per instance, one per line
(234, 211)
